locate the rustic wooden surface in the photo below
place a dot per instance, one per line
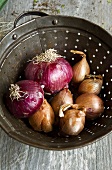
(97, 156)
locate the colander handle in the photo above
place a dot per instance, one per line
(38, 13)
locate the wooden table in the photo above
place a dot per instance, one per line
(97, 156)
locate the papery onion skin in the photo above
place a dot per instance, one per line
(53, 75)
(73, 122)
(26, 105)
(63, 97)
(91, 85)
(94, 105)
(43, 119)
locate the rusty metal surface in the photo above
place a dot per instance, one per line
(91, 37)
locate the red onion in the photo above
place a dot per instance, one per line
(24, 98)
(51, 70)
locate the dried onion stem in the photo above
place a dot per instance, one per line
(48, 56)
(93, 76)
(78, 52)
(65, 107)
(15, 92)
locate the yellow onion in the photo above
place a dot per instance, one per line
(94, 105)
(63, 97)
(91, 84)
(43, 119)
(81, 68)
(72, 119)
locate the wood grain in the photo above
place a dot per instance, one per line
(97, 156)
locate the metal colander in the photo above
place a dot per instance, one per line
(63, 34)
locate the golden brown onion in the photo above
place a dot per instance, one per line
(91, 84)
(81, 68)
(93, 104)
(43, 119)
(63, 97)
(72, 120)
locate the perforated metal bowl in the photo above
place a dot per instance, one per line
(63, 34)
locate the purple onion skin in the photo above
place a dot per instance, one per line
(29, 103)
(32, 68)
(54, 76)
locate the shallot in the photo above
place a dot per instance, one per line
(80, 69)
(43, 119)
(94, 105)
(63, 97)
(91, 84)
(72, 119)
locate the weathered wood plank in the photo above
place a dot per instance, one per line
(15, 155)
